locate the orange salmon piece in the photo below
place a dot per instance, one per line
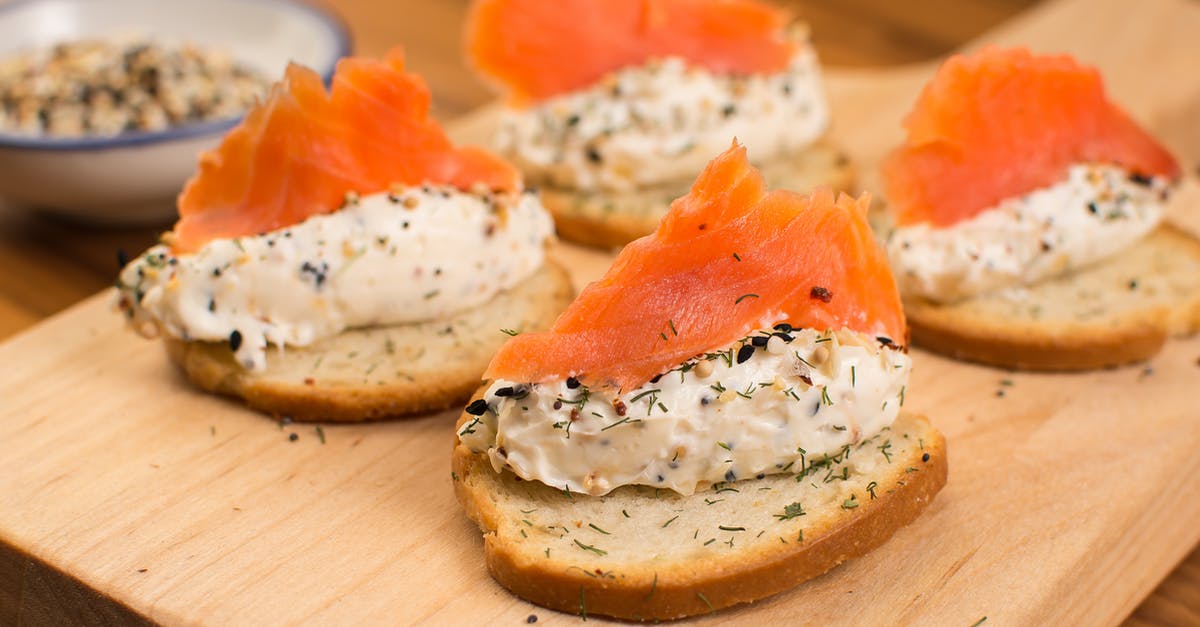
(538, 49)
(298, 153)
(1000, 123)
(728, 258)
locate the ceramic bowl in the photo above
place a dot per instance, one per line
(133, 178)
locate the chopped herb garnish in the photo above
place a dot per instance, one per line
(724, 446)
(653, 587)
(744, 297)
(724, 528)
(644, 394)
(599, 529)
(850, 503)
(979, 622)
(671, 323)
(620, 422)
(320, 434)
(791, 511)
(737, 257)
(588, 547)
(664, 525)
(825, 395)
(509, 332)
(705, 599)
(852, 376)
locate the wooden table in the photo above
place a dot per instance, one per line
(50, 265)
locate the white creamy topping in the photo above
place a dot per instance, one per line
(1096, 212)
(415, 254)
(727, 415)
(662, 122)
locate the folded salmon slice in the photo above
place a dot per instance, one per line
(538, 49)
(1000, 123)
(300, 151)
(730, 257)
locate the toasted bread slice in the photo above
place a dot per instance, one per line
(1119, 311)
(610, 220)
(645, 554)
(381, 372)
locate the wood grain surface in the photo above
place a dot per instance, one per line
(138, 507)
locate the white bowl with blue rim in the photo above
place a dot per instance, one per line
(133, 177)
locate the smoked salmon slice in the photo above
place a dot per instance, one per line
(538, 49)
(300, 151)
(728, 258)
(999, 123)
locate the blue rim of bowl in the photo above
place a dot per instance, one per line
(333, 22)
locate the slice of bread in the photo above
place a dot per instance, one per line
(644, 554)
(610, 220)
(381, 372)
(1119, 311)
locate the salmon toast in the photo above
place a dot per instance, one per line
(335, 255)
(1028, 211)
(755, 339)
(616, 132)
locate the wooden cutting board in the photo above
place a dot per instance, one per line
(126, 495)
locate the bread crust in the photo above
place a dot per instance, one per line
(1153, 289)
(382, 372)
(610, 220)
(658, 591)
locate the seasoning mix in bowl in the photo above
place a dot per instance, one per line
(105, 106)
(103, 88)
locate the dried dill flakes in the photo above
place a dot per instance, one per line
(320, 433)
(791, 511)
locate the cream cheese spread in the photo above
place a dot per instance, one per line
(417, 253)
(1097, 211)
(776, 401)
(662, 122)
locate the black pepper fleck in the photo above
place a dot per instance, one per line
(730, 475)
(293, 437)
(1133, 284)
(531, 619)
(122, 258)
(593, 155)
(1093, 208)
(925, 457)
(235, 340)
